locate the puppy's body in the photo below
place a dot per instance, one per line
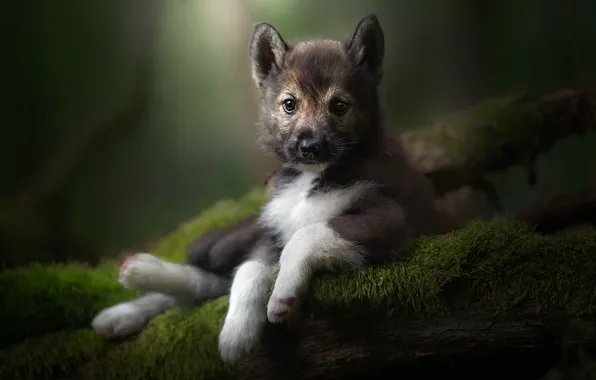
(345, 197)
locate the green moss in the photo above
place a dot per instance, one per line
(502, 262)
(51, 355)
(41, 299)
(188, 335)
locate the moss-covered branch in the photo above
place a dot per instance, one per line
(487, 286)
(460, 149)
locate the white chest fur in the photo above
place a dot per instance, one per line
(293, 207)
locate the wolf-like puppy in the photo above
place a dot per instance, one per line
(345, 196)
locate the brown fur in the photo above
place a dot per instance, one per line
(314, 73)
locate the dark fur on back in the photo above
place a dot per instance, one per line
(221, 250)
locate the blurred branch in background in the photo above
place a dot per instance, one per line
(462, 148)
(572, 212)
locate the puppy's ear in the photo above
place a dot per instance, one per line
(267, 50)
(367, 46)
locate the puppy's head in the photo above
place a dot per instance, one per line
(319, 97)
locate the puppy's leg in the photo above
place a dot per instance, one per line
(310, 248)
(130, 317)
(246, 314)
(350, 240)
(168, 285)
(211, 261)
(148, 273)
(220, 251)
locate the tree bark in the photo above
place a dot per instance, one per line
(563, 211)
(355, 346)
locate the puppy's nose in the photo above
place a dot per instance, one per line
(310, 147)
(313, 148)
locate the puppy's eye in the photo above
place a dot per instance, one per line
(289, 105)
(338, 107)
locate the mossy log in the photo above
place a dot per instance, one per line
(495, 286)
(460, 149)
(491, 287)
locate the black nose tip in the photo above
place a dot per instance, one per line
(312, 148)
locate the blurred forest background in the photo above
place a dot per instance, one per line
(124, 118)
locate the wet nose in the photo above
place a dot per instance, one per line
(313, 148)
(310, 147)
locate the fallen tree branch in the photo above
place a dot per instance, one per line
(332, 348)
(490, 290)
(462, 148)
(563, 211)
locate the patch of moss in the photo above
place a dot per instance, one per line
(190, 336)
(499, 262)
(40, 299)
(502, 262)
(51, 355)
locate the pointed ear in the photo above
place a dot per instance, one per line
(367, 45)
(267, 49)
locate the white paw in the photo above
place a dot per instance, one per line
(240, 335)
(140, 270)
(119, 320)
(288, 287)
(279, 309)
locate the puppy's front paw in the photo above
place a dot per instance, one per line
(119, 320)
(138, 271)
(280, 306)
(240, 335)
(291, 284)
